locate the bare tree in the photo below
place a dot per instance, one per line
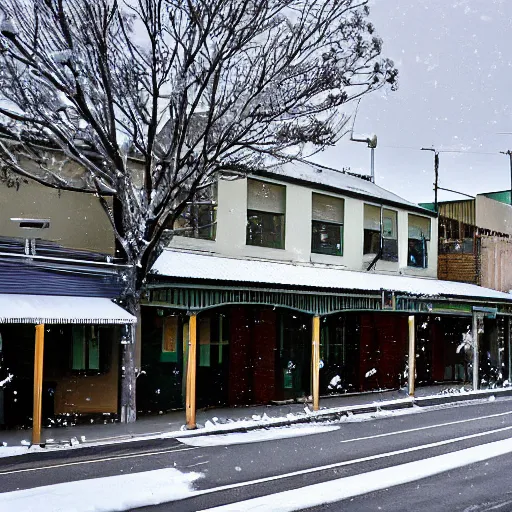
(154, 98)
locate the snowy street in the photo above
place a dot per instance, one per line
(369, 464)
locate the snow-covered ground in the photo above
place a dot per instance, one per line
(257, 436)
(125, 492)
(113, 493)
(350, 414)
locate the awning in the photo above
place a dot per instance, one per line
(49, 309)
(182, 264)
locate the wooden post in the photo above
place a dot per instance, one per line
(507, 338)
(412, 355)
(38, 384)
(191, 373)
(315, 362)
(476, 361)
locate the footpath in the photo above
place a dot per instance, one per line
(241, 419)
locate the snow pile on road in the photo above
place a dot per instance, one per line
(113, 493)
(257, 436)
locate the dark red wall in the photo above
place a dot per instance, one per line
(252, 364)
(383, 347)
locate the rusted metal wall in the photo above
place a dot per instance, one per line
(458, 267)
(463, 211)
(496, 263)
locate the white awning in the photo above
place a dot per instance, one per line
(181, 264)
(49, 309)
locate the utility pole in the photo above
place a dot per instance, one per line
(436, 175)
(509, 153)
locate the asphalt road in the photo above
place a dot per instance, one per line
(284, 464)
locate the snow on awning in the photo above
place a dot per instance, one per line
(49, 309)
(181, 264)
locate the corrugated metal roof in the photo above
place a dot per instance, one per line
(184, 264)
(47, 309)
(340, 181)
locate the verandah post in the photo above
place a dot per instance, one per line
(38, 384)
(315, 362)
(190, 401)
(412, 355)
(476, 361)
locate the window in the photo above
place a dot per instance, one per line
(170, 335)
(372, 232)
(213, 339)
(266, 204)
(199, 218)
(327, 225)
(85, 353)
(419, 234)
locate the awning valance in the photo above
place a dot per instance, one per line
(49, 309)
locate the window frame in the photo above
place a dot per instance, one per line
(91, 333)
(390, 246)
(415, 240)
(170, 356)
(188, 223)
(338, 251)
(266, 215)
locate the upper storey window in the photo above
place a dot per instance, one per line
(266, 207)
(419, 235)
(380, 232)
(327, 225)
(199, 218)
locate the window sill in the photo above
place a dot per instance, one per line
(327, 259)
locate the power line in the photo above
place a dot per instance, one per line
(445, 150)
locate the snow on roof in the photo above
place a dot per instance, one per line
(313, 173)
(182, 264)
(49, 309)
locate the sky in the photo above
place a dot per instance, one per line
(455, 94)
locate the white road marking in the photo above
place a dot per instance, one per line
(95, 461)
(356, 485)
(375, 436)
(352, 462)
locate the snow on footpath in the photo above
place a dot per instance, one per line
(113, 493)
(257, 436)
(339, 414)
(348, 487)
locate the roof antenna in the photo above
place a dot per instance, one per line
(371, 141)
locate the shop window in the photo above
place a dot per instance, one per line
(85, 348)
(199, 218)
(213, 339)
(204, 341)
(266, 205)
(327, 225)
(170, 339)
(419, 235)
(373, 232)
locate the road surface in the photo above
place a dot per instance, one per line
(393, 447)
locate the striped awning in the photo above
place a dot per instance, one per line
(49, 309)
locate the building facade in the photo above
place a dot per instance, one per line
(301, 279)
(475, 240)
(58, 272)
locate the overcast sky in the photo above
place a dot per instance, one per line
(455, 63)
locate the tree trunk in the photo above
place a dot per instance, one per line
(128, 410)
